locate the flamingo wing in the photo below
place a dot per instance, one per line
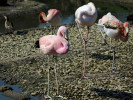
(47, 44)
(61, 46)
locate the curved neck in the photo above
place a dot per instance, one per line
(59, 33)
(87, 12)
(42, 17)
(93, 9)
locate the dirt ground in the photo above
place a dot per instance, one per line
(21, 63)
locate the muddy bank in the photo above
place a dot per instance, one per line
(21, 14)
(23, 64)
(20, 8)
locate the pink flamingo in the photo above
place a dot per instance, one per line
(53, 17)
(85, 15)
(54, 44)
(113, 28)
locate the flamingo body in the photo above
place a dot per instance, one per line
(113, 27)
(55, 44)
(53, 17)
(86, 14)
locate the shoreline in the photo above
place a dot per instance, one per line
(20, 8)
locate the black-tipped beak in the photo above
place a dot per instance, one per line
(127, 31)
(66, 36)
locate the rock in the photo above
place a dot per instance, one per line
(5, 88)
(15, 95)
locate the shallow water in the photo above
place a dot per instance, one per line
(15, 89)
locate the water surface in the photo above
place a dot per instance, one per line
(67, 9)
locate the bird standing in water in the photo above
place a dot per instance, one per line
(113, 28)
(54, 44)
(85, 15)
(8, 24)
(53, 18)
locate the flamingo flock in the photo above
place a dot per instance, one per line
(85, 15)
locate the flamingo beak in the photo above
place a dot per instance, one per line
(4, 17)
(66, 36)
(127, 31)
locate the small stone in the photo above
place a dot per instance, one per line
(5, 88)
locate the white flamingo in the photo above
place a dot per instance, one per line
(85, 15)
(113, 28)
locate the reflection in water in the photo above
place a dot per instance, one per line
(67, 8)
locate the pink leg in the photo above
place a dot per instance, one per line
(80, 31)
(84, 61)
(84, 40)
(87, 34)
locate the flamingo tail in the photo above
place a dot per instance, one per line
(37, 44)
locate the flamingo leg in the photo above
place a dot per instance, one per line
(84, 61)
(57, 86)
(48, 97)
(87, 34)
(80, 31)
(112, 70)
(51, 29)
(113, 59)
(99, 27)
(85, 41)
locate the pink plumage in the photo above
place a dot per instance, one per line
(55, 44)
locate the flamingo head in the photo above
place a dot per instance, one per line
(6, 18)
(54, 12)
(126, 28)
(124, 31)
(63, 32)
(42, 17)
(90, 3)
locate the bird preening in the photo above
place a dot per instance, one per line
(54, 45)
(115, 29)
(53, 18)
(58, 44)
(85, 15)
